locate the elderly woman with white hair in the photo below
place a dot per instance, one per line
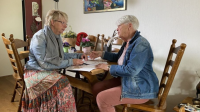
(46, 89)
(134, 80)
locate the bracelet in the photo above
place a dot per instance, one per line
(108, 67)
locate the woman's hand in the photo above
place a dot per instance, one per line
(95, 54)
(102, 66)
(84, 56)
(77, 61)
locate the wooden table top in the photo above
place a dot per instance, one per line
(186, 100)
(98, 71)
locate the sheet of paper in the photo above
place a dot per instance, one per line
(90, 65)
(96, 61)
(81, 68)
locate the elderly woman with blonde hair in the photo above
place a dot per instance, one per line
(47, 90)
(134, 80)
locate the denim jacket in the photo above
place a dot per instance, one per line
(138, 80)
(38, 52)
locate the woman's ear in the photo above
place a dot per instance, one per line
(52, 22)
(130, 25)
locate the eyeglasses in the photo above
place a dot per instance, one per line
(63, 23)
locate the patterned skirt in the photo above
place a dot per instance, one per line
(47, 91)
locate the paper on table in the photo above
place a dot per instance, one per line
(89, 67)
(96, 61)
(81, 68)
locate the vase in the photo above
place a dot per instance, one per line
(108, 49)
(71, 41)
(65, 49)
(87, 50)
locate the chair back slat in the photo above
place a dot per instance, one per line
(6, 41)
(9, 51)
(14, 67)
(102, 43)
(20, 43)
(13, 60)
(171, 63)
(23, 55)
(176, 49)
(169, 74)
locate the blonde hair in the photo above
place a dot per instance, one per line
(128, 19)
(55, 15)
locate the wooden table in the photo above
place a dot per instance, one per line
(186, 100)
(91, 77)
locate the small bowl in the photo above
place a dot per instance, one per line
(196, 101)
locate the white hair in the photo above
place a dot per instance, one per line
(55, 15)
(128, 19)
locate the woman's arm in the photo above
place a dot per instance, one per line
(138, 57)
(38, 48)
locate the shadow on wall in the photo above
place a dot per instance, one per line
(183, 86)
(187, 82)
(173, 100)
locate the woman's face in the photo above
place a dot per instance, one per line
(58, 26)
(123, 31)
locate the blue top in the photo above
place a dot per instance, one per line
(138, 79)
(38, 51)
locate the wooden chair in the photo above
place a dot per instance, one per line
(182, 109)
(15, 57)
(28, 40)
(118, 42)
(169, 73)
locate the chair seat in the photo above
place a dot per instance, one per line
(149, 105)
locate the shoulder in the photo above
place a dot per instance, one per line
(39, 36)
(141, 44)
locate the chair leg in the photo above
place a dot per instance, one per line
(76, 90)
(14, 92)
(125, 109)
(20, 101)
(83, 94)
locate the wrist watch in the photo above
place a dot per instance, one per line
(108, 67)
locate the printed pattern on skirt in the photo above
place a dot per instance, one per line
(47, 91)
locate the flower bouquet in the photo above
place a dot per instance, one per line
(70, 37)
(86, 44)
(66, 46)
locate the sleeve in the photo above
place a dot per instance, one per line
(72, 56)
(138, 57)
(38, 48)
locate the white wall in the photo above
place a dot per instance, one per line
(160, 22)
(10, 23)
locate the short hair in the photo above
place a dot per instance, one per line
(55, 15)
(128, 19)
